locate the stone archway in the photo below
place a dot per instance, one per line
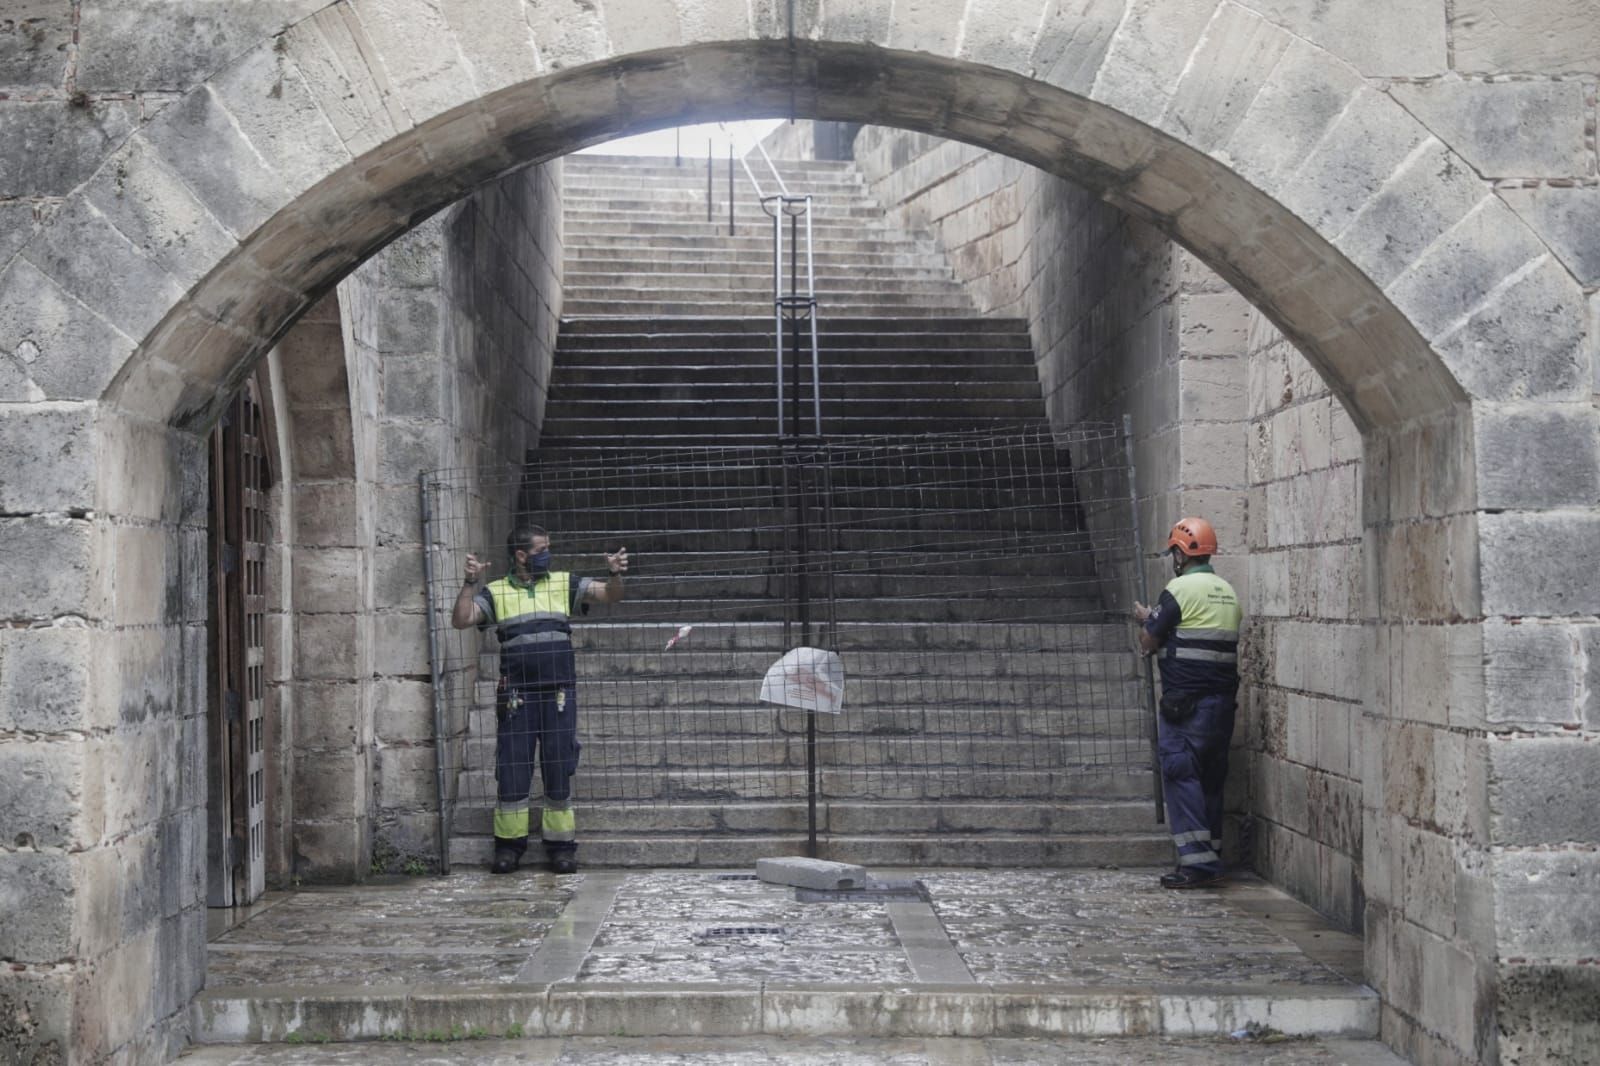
(1444, 323)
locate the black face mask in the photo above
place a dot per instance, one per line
(538, 563)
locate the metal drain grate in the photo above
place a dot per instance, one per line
(871, 892)
(735, 932)
(737, 877)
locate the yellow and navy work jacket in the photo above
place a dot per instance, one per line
(1197, 622)
(534, 624)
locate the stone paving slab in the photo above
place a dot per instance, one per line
(706, 953)
(835, 1051)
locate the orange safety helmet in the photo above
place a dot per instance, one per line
(1193, 536)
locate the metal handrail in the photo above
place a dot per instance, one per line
(787, 308)
(744, 161)
(782, 188)
(794, 305)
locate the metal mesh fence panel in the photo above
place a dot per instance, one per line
(973, 585)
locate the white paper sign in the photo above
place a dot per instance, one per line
(810, 679)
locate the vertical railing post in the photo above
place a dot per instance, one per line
(711, 199)
(1142, 584)
(786, 310)
(811, 291)
(730, 188)
(777, 306)
(436, 671)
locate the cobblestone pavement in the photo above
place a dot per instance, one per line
(1073, 929)
(838, 1051)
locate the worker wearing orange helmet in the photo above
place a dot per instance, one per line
(1194, 631)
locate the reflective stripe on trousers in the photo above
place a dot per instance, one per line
(1194, 765)
(539, 729)
(558, 822)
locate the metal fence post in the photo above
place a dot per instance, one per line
(440, 739)
(1143, 586)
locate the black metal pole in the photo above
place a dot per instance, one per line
(436, 676)
(710, 195)
(1144, 597)
(794, 320)
(730, 188)
(812, 790)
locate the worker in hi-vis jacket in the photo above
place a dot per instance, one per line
(536, 701)
(1193, 629)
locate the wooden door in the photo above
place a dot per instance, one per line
(238, 541)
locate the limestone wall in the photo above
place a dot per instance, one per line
(319, 648)
(455, 325)
(434, 354)
(1305, 682)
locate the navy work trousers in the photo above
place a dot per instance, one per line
(536, 722)
(1194, 765)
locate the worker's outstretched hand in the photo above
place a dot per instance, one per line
(476, 568)
(618, 561)
(1141, 613)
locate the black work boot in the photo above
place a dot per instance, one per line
(563, 862)
(505, 860)
(1190, 877)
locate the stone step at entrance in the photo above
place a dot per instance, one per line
(1019, 952)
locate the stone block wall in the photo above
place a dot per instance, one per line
(792, 140)
(321, 632)
(103, 737)
(1305, 678)
(454, 325)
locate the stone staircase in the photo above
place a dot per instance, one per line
(992, 709)
(638, 245)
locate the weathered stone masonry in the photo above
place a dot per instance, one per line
(171, 201)
(435, 353)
